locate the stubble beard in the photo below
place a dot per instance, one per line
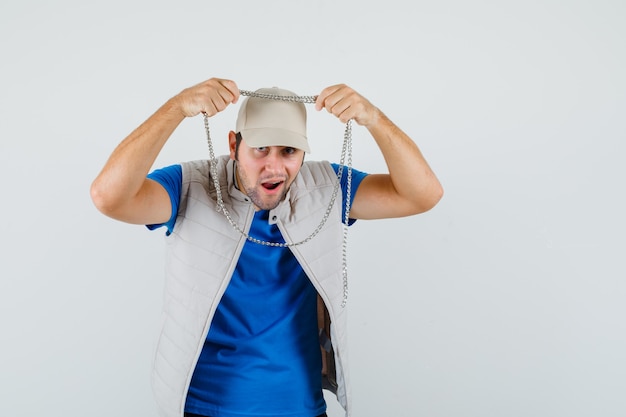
(255, 196)
(256, 199)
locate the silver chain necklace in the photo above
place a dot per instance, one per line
(346, 151)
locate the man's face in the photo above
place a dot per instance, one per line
(265, 174)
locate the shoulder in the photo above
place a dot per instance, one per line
(200, 170)
(316, 173)
(194, 169)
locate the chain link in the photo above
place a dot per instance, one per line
(346, 153)
(268, 96)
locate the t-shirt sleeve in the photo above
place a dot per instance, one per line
(357, 177)
(171, 178)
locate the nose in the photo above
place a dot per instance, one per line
(273, 161)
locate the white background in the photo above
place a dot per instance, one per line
(507, 299)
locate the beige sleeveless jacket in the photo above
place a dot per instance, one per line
(202, 252)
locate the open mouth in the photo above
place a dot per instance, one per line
(271, 185)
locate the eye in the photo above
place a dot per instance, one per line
(261, 149)
(289, 151)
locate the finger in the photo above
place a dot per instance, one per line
(343, 103)
(230, 91)
(340, 100)
(342, 109)
(218, 94)
(322, 98)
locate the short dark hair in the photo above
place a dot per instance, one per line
(238, 139)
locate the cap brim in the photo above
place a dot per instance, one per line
(267, 136)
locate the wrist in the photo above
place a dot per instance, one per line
(375, 119)
(174, 108)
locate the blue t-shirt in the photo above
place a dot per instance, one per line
(261, 356)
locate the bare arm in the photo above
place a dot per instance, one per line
(121, 190)
(410, 187)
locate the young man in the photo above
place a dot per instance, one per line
(252, 280)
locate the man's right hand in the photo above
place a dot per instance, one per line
(209, 97)
(121, 190)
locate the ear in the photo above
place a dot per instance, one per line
(232, 145)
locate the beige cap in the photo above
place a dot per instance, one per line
(268, 122)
